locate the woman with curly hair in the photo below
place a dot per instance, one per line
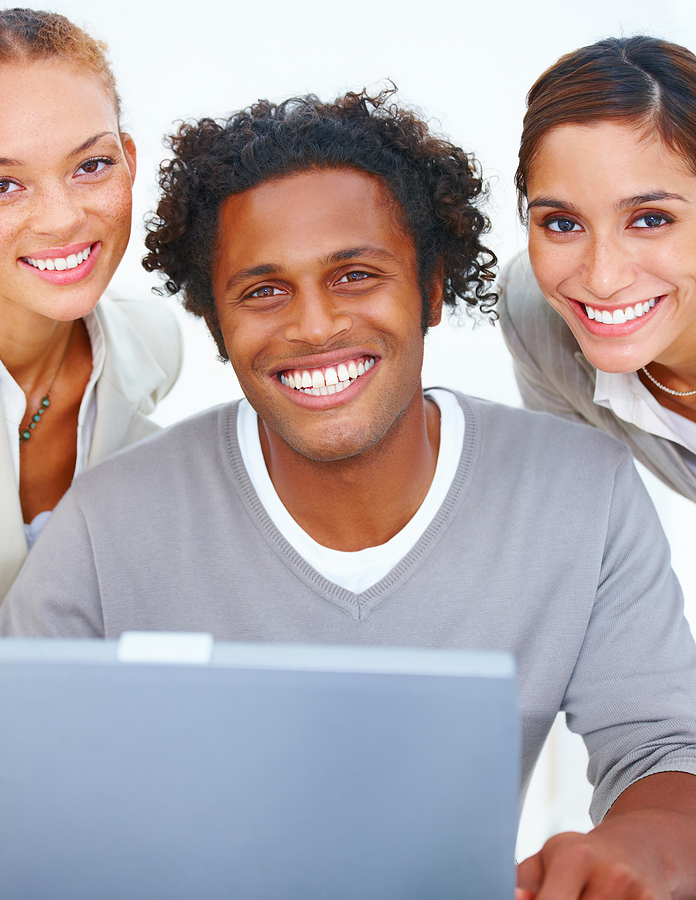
(78, 372)
(607, 185)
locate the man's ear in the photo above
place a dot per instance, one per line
(435, 295)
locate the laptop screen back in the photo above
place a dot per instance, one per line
(271, 771)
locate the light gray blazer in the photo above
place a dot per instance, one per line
(553, 375)
(142, 360)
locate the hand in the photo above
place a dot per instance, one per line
(643, 850)
(604, 864)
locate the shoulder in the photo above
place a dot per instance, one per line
(144, 329)
(526, 315)
(169, 458)
(531, 435)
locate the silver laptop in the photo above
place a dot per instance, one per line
(166, 766)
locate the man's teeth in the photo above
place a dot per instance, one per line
(327, 380)
(619, 316)
(60, 263)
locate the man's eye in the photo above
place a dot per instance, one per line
(651, 220)
(266, 291)
(98, 164)
(354, 276)
(9, 187)
(562, 226)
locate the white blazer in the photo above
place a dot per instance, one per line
(142, 360)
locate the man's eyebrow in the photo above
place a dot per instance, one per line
(354, 252)
(90, 142)
(339, 256)
(251, 272)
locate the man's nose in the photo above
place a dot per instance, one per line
(316, 317)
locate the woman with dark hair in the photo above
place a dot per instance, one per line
(607, 186)
(78, 372)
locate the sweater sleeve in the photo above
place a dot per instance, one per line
(632, 694)
(56, 593)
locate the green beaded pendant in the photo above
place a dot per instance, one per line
(35, 419)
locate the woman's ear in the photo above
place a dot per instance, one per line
(129, 153)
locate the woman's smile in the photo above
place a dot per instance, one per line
(612, 241)
(65, 197)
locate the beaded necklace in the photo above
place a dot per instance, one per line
(26, 433)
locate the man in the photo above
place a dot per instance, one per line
(339, 504)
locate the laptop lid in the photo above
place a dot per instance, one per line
(168, 767)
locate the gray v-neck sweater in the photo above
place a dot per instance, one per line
(546, 545)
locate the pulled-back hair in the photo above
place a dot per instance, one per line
(639, 79)
(29, 35)
(434, 183)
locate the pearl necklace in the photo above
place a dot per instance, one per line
(666, 389)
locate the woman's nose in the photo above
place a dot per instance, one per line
(607, 268)
(58, 212)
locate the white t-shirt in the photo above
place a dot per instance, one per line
(628, 398)
(15, 405)
(356, 571)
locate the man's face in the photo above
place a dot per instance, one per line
(317, 295)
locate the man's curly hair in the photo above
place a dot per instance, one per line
(435, 184)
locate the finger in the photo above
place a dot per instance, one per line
(523, 894)
(567, 864)
(530, 874)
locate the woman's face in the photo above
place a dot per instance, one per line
(612, 241)
(65, 191)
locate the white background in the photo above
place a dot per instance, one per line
(467, 65)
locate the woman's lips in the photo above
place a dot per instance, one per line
(66, 266)
(621, 315)
(617, 321)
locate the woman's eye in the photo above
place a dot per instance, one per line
(562, 226)
(651, 220)
(9, 187)
(98, 164)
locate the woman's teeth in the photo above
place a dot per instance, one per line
(328, 379)
(59, 263)
(619, 316)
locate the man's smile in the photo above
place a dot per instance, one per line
(326, 380)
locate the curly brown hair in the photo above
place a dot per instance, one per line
(434, 183)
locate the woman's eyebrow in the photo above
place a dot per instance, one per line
(90, 142)
(551, 202)
(627, 203)
(651, 197)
